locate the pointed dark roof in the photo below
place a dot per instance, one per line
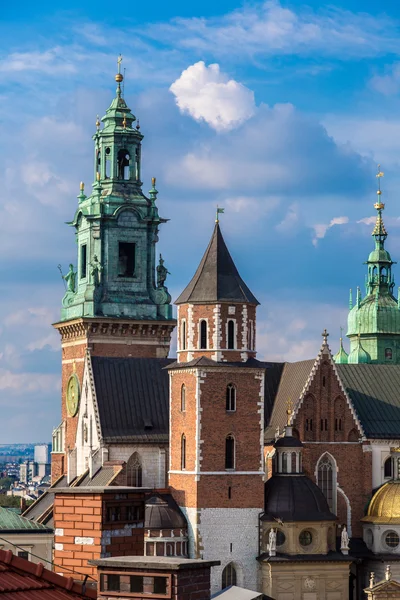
(217, 278)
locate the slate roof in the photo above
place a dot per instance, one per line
(217, 278)
(132, 398)
(288, 381)
(102, 477)
(374, 392)
(42, 509)
(12, 522)
(21, 579)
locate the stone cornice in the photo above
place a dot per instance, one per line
(122, 328)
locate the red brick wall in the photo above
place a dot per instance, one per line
(326, 405)
(215, 425)
(57, 466)
(206, 311)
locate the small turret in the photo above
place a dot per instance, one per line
(341, 357)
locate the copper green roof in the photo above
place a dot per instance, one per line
(341, 356)
(217, 278)
(12, 522)
(359, 355)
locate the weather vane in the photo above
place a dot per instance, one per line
(220, 211)
(379, 175)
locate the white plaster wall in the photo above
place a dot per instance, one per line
(236, 526)
(152, 457)
(379, 533)
(86, 414)
(38, 544)
(380, 452)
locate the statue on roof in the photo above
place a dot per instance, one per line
(272, 542)
(70, 279)
(162, 273)
(344, 545)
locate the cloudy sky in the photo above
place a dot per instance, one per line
(277, 111)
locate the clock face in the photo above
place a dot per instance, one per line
(73, 394)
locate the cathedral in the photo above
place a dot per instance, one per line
(286, 473)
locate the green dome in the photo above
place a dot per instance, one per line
(379, 255)
(382, 316)
(359, 355)
(341, 357)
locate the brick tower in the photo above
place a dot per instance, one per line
(216, 418)
(113, 305)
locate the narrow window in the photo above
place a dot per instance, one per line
(323, 381)
(388, 354)
(136, 583)
(183, 452)
(123, 165)
(322, 424)
(134, 471)
(230, 398)
(183, 335)
(183, 398)
(388, 467)
(160, 585)
(229, 452)
(108, 163)
(231, 335)
(229, 492)
(326, 479)
(113, 583)
(203, 335)
(284, 463)
(83, 260)
(229, 576)
(23, 554)
(91, 431)
(98, 161)
(126, 259)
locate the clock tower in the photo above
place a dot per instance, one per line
(116, 302)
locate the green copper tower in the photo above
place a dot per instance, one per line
(374, 321)
(117, 230)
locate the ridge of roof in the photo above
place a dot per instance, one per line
(216, 278)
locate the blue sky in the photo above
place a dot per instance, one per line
(278, 111)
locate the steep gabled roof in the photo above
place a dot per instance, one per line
(217, 278)
(132, 398)
(11, 522)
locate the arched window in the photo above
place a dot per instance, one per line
(229, 576)
(108, 163)
(374, 273)
(98, 161)
(326, 479)
(183, 335)
(183, 398)
(123, 164)
(231, 334)
(203, 335)
(388, 467)
(134, 471)
(230, 452)
(284, 462)
(231, 398)
(250, 335)
(183, 452)
(353, 436)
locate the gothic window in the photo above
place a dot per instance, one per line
(324, 424)
(388, 354)
(384, 274)
(250, 336)
(108, 163)
(231, 398)
(353, 436)
(183, 335)
(123, 165)
(309, 423)
(83, 260)
(203, 335)
(231, 334)
(183, 398)
(326, 479)
(134, 471)
(230, 452)
(126, 259)
(229, 576)
(388, 468)
(183, 452)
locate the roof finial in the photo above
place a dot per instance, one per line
(119, 77)
(220, 211)
(351, 299)
(379, 175)
(388, 573)
(97, 122)
(325, 336)
(289, 410)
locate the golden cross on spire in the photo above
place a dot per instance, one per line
(325, 336)
(379, 175)
(119, 61)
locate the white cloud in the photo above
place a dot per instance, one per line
(51, 62)
(388, 84)
(207, 94)
(290, 220)
(321, 228)
(267, 28)
(28, 382)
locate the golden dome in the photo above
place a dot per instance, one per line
(119, 77)
(385, 504)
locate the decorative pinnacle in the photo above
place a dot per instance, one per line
(119, 77)
(153, 182)
(82, 186)
(388, 574)
(97, 176)
(289, 410)
(379, 175)
(97, 122)
(325, 336)
(138, 125)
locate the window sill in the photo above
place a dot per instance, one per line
(230, 411)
